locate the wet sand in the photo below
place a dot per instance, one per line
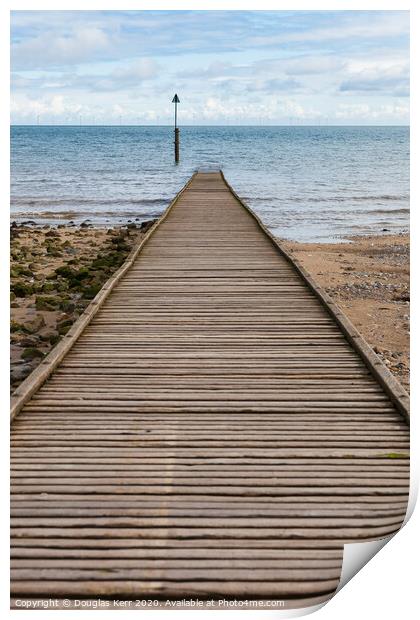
(369, 279)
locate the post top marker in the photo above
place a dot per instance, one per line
(176, 99)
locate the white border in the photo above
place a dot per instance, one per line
(387, 586)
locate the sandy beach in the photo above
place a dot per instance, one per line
(369, 279)
(55, 272)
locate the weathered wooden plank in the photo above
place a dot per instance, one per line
(43, 509)
(178, 574)
(367, 531)
(74, 452)
(167, 486)
(177, 590)
(328, 557)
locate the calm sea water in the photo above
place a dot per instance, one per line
(306, 183)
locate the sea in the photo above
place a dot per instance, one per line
(312, 184)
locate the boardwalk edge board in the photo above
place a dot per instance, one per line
(391, 385)
(41, 373)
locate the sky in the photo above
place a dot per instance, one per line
(228, 67)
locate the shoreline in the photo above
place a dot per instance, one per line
(57, 269)
(76, 219)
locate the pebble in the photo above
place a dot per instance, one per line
(29, 341)
(34, 324)
(31, 353)
(20, 372)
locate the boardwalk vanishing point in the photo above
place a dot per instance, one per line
(212, 426)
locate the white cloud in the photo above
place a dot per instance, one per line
(307, 64)
(142, 69)
(351, 27)
(120, 79)
(386, 78)
(274, 85)
(48, 49)
(270, 109)
(55, 106)
(364, 111)
(312, 65)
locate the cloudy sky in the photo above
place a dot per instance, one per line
(233, 67)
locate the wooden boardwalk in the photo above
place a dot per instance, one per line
(210, 433)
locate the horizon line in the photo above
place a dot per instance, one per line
(212, 125)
